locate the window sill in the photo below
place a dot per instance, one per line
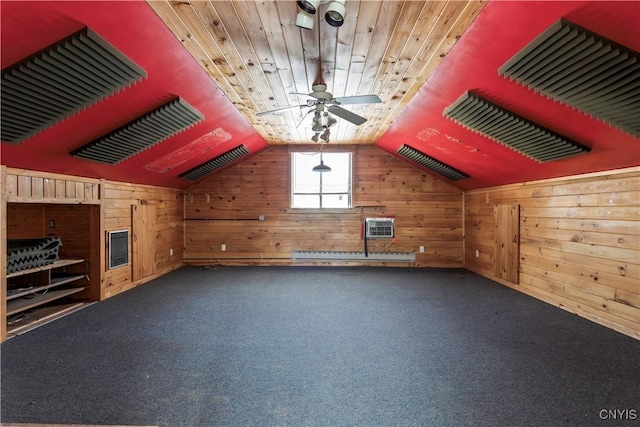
(324, 210)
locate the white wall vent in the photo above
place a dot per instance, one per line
(379, 228)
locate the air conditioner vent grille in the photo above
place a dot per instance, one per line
(429, 162)
(380, 228)
(142, 133)
(216, 163)
(517, 133)
(61, 80)
(581, 69)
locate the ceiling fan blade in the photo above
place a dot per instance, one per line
(277, 110)
(347, 115)
(308, 95)
(358, 99)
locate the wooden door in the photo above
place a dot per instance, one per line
(507, 242)
(143, 251)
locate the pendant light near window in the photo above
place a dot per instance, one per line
(321, 167)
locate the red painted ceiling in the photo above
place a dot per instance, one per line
(500, 31)
(134, 29)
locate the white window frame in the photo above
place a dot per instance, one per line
(292, 169)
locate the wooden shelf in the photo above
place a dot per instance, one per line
(55, 264)
(44, 314)
(36, 289)
(55, 281)
(39, 293)
(18, 305)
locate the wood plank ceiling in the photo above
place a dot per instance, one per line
(231, 60)
(259, 58)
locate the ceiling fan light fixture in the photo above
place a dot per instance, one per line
(330, 120)
(335, 13)
(317, 123)
(325, 135)
(309, 6)
(304, 20)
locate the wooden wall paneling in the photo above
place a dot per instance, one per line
(73, 224)
(10, 184)
(25, 221)
(142, 225)
(579, 244)
(76, 227)
(165, 231)
(97, 261)
(84, 210)
(60, 191)
(224, 209)
(37, 187)
(507, 242)
(25, 186)
(31, 199)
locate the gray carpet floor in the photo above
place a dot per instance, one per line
(322, 346)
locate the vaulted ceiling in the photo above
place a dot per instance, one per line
(228, 61)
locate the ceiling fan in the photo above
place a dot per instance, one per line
(323, 104)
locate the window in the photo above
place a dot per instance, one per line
(321, 190)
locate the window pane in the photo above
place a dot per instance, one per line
(339, 179)
(335, 201)
(313, 190)
(304, 179)
(303, 201)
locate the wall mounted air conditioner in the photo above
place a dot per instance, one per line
(379, 228)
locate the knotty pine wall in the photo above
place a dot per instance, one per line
(31, 199)
(166, 232)
(72, 223)
(84, 211)
(224, 209)
(579, 243)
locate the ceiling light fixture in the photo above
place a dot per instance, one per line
(304, 20)
(334, 16)
(309, 6)
(321, 167)
(329, 119)
(317, 123)
(335, 13)
(325, 135)
(321, 124)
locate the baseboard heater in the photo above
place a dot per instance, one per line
(354, 256)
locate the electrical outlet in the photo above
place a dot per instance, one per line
(421, 249)
(261, 218)
(171, 252)
(223, 247)
(52, 223)
(477, 253)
